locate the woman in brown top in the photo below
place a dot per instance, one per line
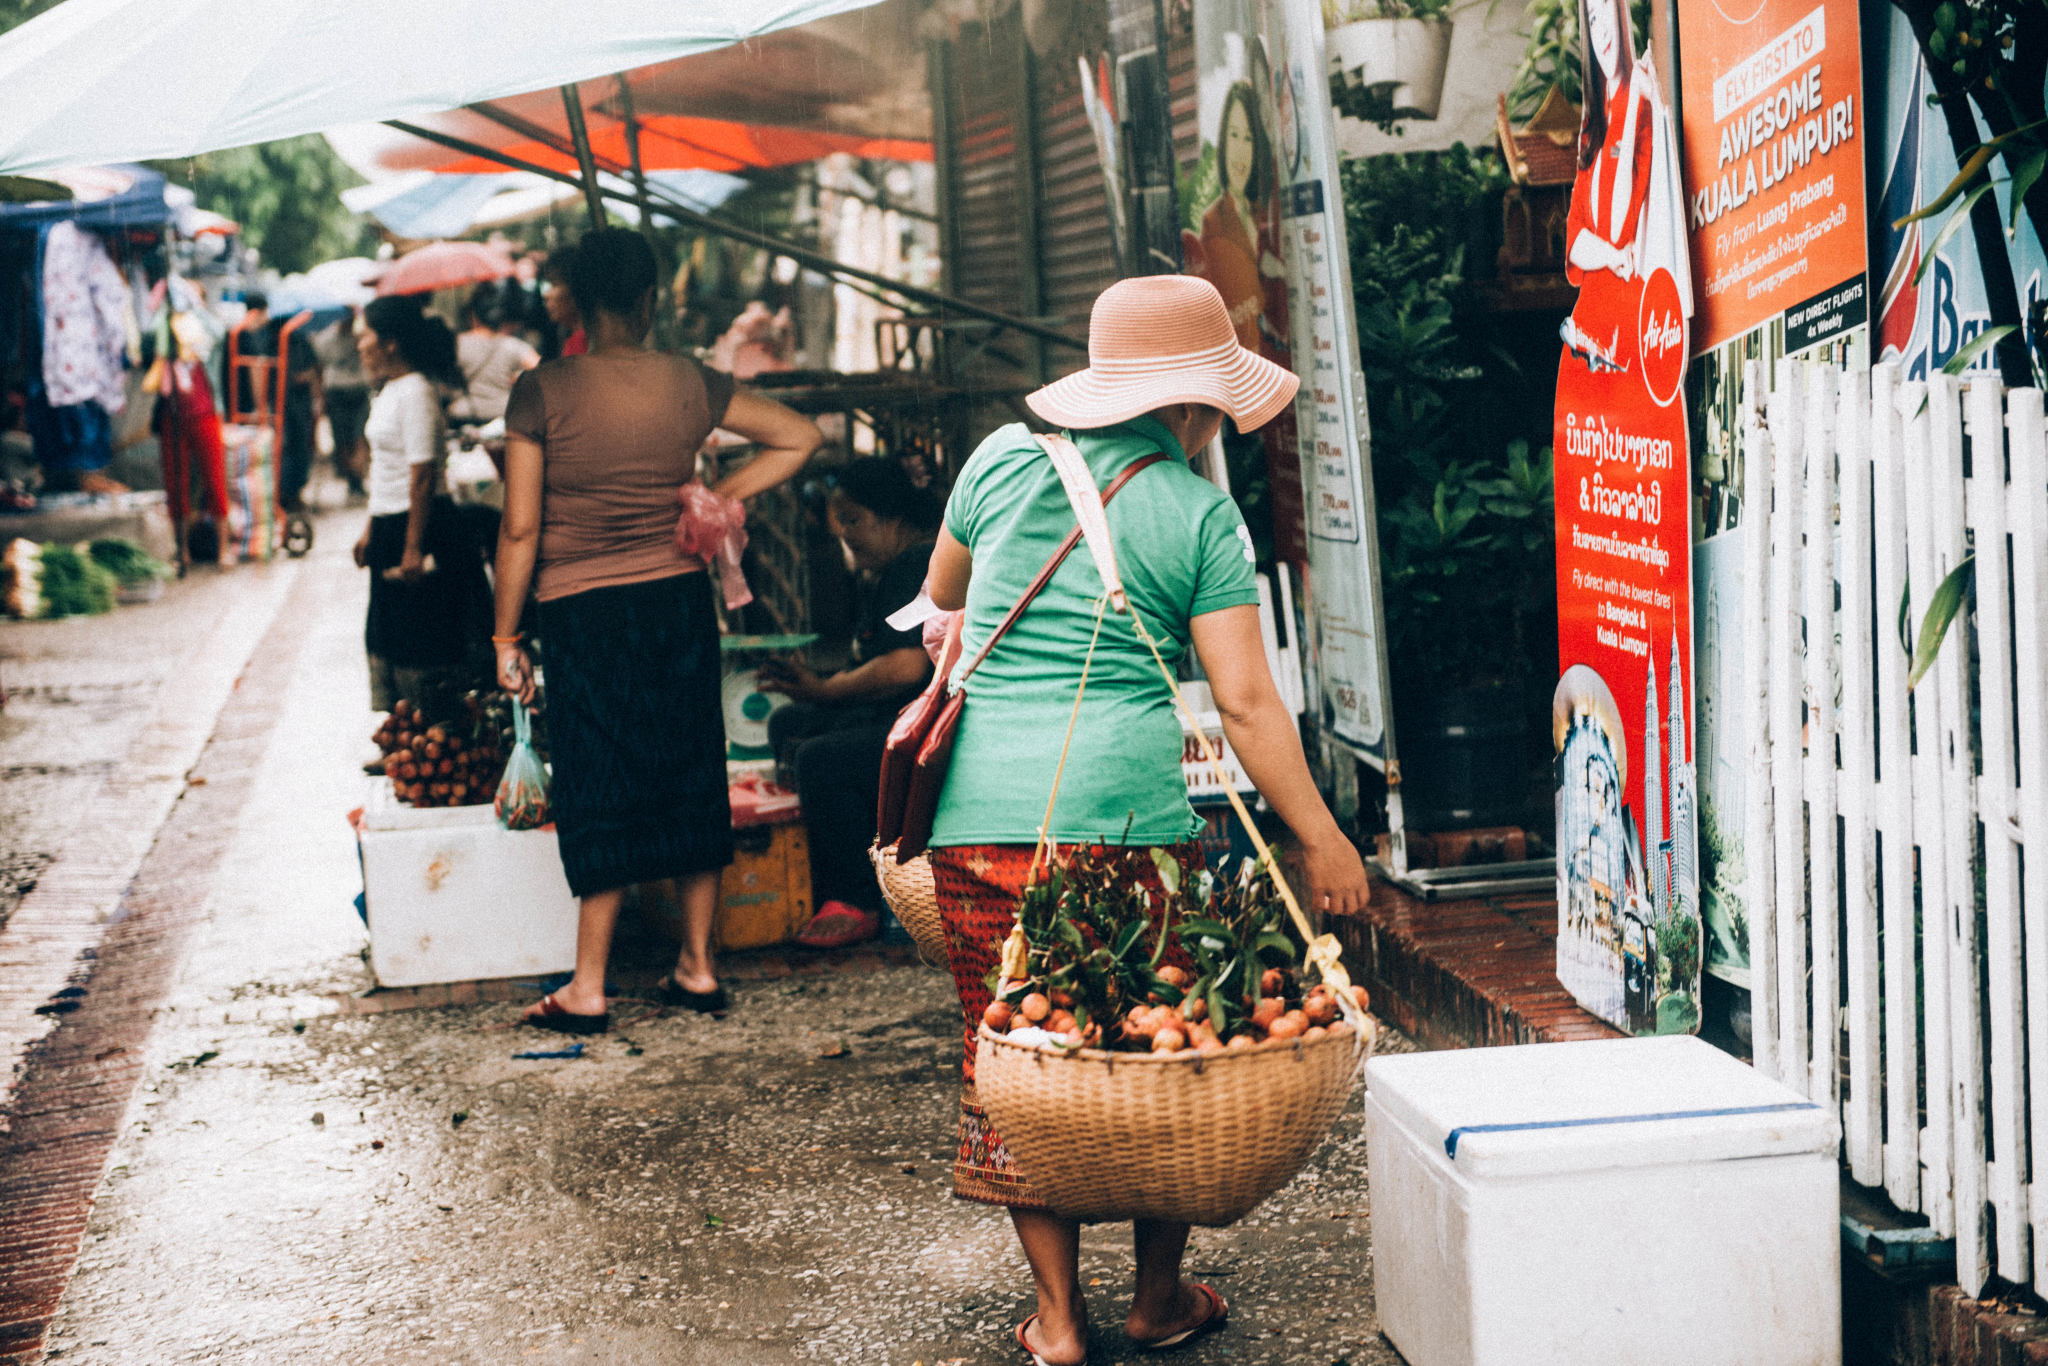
(596, 446)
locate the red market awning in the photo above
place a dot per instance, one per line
(673, 142)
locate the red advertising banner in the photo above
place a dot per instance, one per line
(1774, 165)
(1628, 946)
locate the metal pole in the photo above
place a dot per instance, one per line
(633, 151)
(666, 315)
(803, 256)
(593, 195)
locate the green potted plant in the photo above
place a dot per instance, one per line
(1388, 57)
(1462, 476)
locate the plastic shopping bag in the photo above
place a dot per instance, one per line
(523, 791)
(714, 530)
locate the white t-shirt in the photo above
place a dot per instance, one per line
(404, 429)
(491, 364)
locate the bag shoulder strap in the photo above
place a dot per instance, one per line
(1087, 505)
(1066, 547)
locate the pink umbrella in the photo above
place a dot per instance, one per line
(444, 265)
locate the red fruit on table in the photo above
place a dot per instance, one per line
(1169, 1041)
(998, 1016)
(1270, 1008)
(1036, 1007)
(1286, 1027)
(1272, 982)
(1176, 976)
(1061, 1021)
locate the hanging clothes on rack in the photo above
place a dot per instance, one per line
(83, 302)
(86, 320)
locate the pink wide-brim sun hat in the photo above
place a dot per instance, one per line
(1162, 339)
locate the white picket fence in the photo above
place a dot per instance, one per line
(1899, 963)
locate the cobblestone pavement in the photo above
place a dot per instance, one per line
(291, 1183)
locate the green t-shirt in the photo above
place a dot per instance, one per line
(1182, 549)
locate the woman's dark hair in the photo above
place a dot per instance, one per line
(1258, 184)
(487, 305)
(613, 270)
(425, 342)
(879, 484)
(1593, 89)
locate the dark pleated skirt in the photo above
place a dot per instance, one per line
(437, 620)
(637, 733)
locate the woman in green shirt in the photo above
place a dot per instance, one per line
(1165, 366)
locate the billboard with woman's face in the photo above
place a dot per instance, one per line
(1231, 224)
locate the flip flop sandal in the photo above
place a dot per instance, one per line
(553, 1017)
(1025, 1343)
(713, 1002)
(1219, 1314)
(838, 925)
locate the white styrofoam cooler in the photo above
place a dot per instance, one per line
(454, 897)
(1623, 1201)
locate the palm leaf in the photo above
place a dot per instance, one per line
(1950, 228)
(1941, 611)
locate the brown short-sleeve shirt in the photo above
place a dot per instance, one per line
(619, 435)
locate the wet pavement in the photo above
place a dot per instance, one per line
(292, 1183)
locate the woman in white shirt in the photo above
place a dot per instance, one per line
(428, 597)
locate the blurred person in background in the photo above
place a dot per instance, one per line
(560, 302)
(345, 392)
(492, 355)
(257, 335)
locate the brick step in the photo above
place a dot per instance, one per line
(1464, 974)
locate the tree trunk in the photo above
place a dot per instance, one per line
(2020, 85)
(1993, 261)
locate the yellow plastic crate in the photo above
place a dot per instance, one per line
(764, 897)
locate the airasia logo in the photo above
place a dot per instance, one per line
(1660, 323)
(1662, 333)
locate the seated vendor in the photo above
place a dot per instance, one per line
(831, 736)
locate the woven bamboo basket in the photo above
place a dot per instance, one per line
(914, 897)
(1198, 1138)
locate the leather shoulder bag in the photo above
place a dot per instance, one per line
(919, 749)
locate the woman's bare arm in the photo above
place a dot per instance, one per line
(951, 568)
(518, 549)
(786, 439)
(1255, 721)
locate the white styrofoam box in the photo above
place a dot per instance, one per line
(1623, 1201)
(454, 897)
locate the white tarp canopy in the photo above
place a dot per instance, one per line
(96, 81)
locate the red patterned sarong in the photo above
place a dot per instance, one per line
(978, 886)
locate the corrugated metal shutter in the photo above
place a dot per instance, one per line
(1076, 247)
(987, 127)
